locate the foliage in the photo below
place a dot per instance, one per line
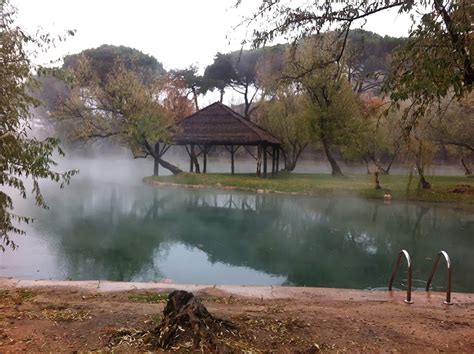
(287, 116)
(239, 71)
(369, 58)
(103, 59)
(123, 107)
(335, 118)
(195, 84)
(455, 124)
(220, 73)
(435, 63)
(381, 137)
(22, 157)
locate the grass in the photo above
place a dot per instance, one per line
(149, 298)
(325, 184)
(17, 297)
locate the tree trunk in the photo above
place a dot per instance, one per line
(194, 162)
(222, 96)
(290, 166)
(366, 164)
(186, 320)
(156, 163)
(467, 170)
(377, 181)
(259, 160)
(419, 166)
(170, 167)
(424, 183)
(389, 166)
(246, 102)
(335, 169)
(195, 99)
(277, 167)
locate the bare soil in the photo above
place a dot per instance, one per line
(68, 319)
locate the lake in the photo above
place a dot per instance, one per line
(111, 226)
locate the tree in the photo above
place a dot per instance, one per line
(335, 120)
(436, 62)
(369, 57)
(220, 73)
(103, 58)
(22, 157)
(239, 71)
(123, 107)
(454, 127)
(195, 84)
(286, 114)
(380, 138)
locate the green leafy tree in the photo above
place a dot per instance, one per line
(220, 73)
(369, 58)
(239, 71)
(454, 127)
(125, 108)
(435, 63)
(335, 120)
(286, 113)
(380, 139)
(195, 84)
(23, 158)
(102, 60)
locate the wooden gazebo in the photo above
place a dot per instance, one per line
(219, 125)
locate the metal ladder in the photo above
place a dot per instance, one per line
(405, 253)
(433, 271)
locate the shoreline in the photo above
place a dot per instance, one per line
(150, 181)
(265, 292)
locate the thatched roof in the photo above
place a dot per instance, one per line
(218, 124)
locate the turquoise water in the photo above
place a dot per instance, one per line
(132, 232)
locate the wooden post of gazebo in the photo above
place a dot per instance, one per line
(264, 161)
(273, 160)
(204, 159)
(232, 167)
(191, 161)
(259, 160)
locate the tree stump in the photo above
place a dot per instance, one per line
(187, 323)
(377, 181)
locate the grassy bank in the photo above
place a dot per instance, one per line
(324, 184)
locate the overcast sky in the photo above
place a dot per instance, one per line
(177, 32)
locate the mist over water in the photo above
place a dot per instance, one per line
(108, 225)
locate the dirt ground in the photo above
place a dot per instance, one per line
(69, 319)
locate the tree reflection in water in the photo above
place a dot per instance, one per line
(123, 233)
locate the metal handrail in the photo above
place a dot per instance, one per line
(433, 271)
(408, 300)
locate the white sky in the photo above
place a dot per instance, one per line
(177, 33)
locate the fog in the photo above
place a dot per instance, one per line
(107, 224)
